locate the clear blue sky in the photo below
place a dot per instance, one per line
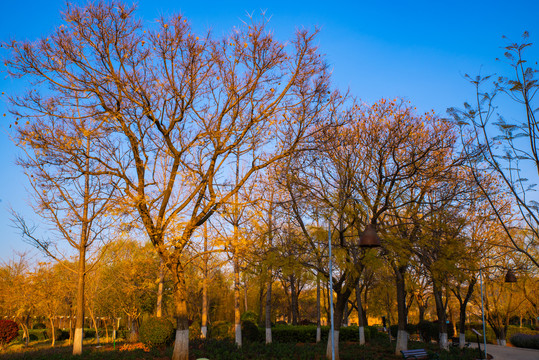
(413, 49)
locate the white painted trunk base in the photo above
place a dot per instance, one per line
(361, 335)
(444, 343)
(318, 334)
(503, 342)
(77, 342)
(462, 340)
(336, 345)
(204, 331)
(268, 335)
(402, 341)
(181, 345)
(238, 334)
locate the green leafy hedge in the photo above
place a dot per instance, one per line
(525, 341)
(156, 332)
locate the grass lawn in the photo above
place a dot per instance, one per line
(224, 350)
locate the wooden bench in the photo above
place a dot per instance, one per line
(417, 354)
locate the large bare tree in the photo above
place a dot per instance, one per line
(178, 106)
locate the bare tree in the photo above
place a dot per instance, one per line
(178, 106)
(508, 147)
(58, 162)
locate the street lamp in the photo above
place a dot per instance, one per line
(510, 277)
(369, 238)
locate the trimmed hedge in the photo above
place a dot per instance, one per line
(156, 332)
(222, 330)
(307, 333)
(525, 341)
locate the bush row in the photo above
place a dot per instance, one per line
(286, 333)
(62, 334)
(525, 341)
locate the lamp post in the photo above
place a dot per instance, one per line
(331, 293)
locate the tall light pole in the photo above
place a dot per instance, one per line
(483, 315)
(331, 292)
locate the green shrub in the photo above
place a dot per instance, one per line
(9, 330)
(471, 337)
(194, 330)
(513, 330)
(427, 330)
(394, 329)
(89, 333)
(249, 331)
(249, 316)
(525, 341)
(220, 330)
(58, 333)
(156, 332)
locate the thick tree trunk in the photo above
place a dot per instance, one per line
(462, 325)
(181, 343)
(79, 324)
(402, 334)
(442, 316)
(270, 277)
(342, 301)
(294, 300)
(237, 313)
(160, 287)
(318, 324)
(79, 320)
(204, 318)
(268, 309)
(246, 305)
(133, 334)
(421, 313)
(360, 323)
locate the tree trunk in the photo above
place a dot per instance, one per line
(294, 300)
(402, 334)
(421, 313)
(268, 309)
(53, 332)
(79, 320)
(270, 277)
(95, 327)
(246, 305)
(133, 335)
(237, 313)
(442, 316)
(25, 332)
(204, 319)
(181, 343)
(79, 324)
(318, 324)
(159, 308)
(360, 323)
(342, 301)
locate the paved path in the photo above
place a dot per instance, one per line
(510, 353)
